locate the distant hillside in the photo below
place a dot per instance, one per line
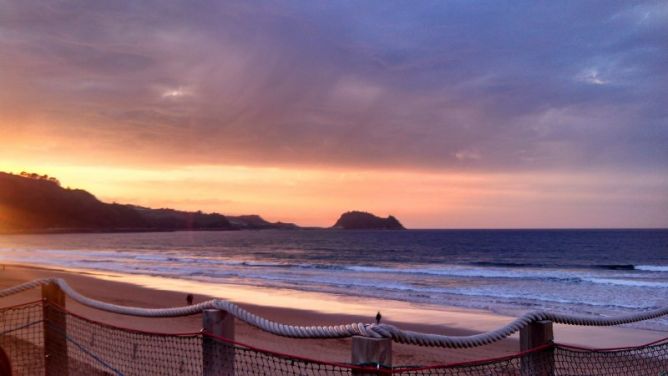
(255, 222)
(357, 220)
(34, 203)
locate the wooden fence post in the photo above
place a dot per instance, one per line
(217, 356)
(55, 331)
(371, 352)
(541, 363)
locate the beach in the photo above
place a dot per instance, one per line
(509, 272)
(313, 310)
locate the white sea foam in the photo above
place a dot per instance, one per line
(627, 282)
(459, 271)
(544, 298)
(652, 268)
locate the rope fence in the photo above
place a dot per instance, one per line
(44, 338)
(373, 330)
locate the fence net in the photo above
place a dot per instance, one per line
(22, 338)
(36, 336)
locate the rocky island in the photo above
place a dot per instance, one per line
(358, 220)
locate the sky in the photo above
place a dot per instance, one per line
(446, 114)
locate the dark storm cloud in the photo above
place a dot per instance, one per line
(490, 85)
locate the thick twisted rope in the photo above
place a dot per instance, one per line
(345, 330)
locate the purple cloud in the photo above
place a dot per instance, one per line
(452, 85)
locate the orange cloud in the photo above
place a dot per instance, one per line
(421, 199)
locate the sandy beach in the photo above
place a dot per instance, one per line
(298, 308)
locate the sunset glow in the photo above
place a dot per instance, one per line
(299, 113)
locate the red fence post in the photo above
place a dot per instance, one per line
(217, 356)
(371, 352)
(55, 331)
(541, 363)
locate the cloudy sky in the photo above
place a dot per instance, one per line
(444, 113)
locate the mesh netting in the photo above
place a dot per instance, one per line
(643, 360)
(535, 362)
(99, 349)
(235, 359)
(22, 338)
(78, 346)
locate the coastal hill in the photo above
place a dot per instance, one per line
(38, 203)
(255, 222)
(357, 220)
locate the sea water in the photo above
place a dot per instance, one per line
(597, 272)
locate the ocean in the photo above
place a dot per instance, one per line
(599, 272)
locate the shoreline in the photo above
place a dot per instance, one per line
(303, 308)
(309, 228)
(268, 298)
(110, 288)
